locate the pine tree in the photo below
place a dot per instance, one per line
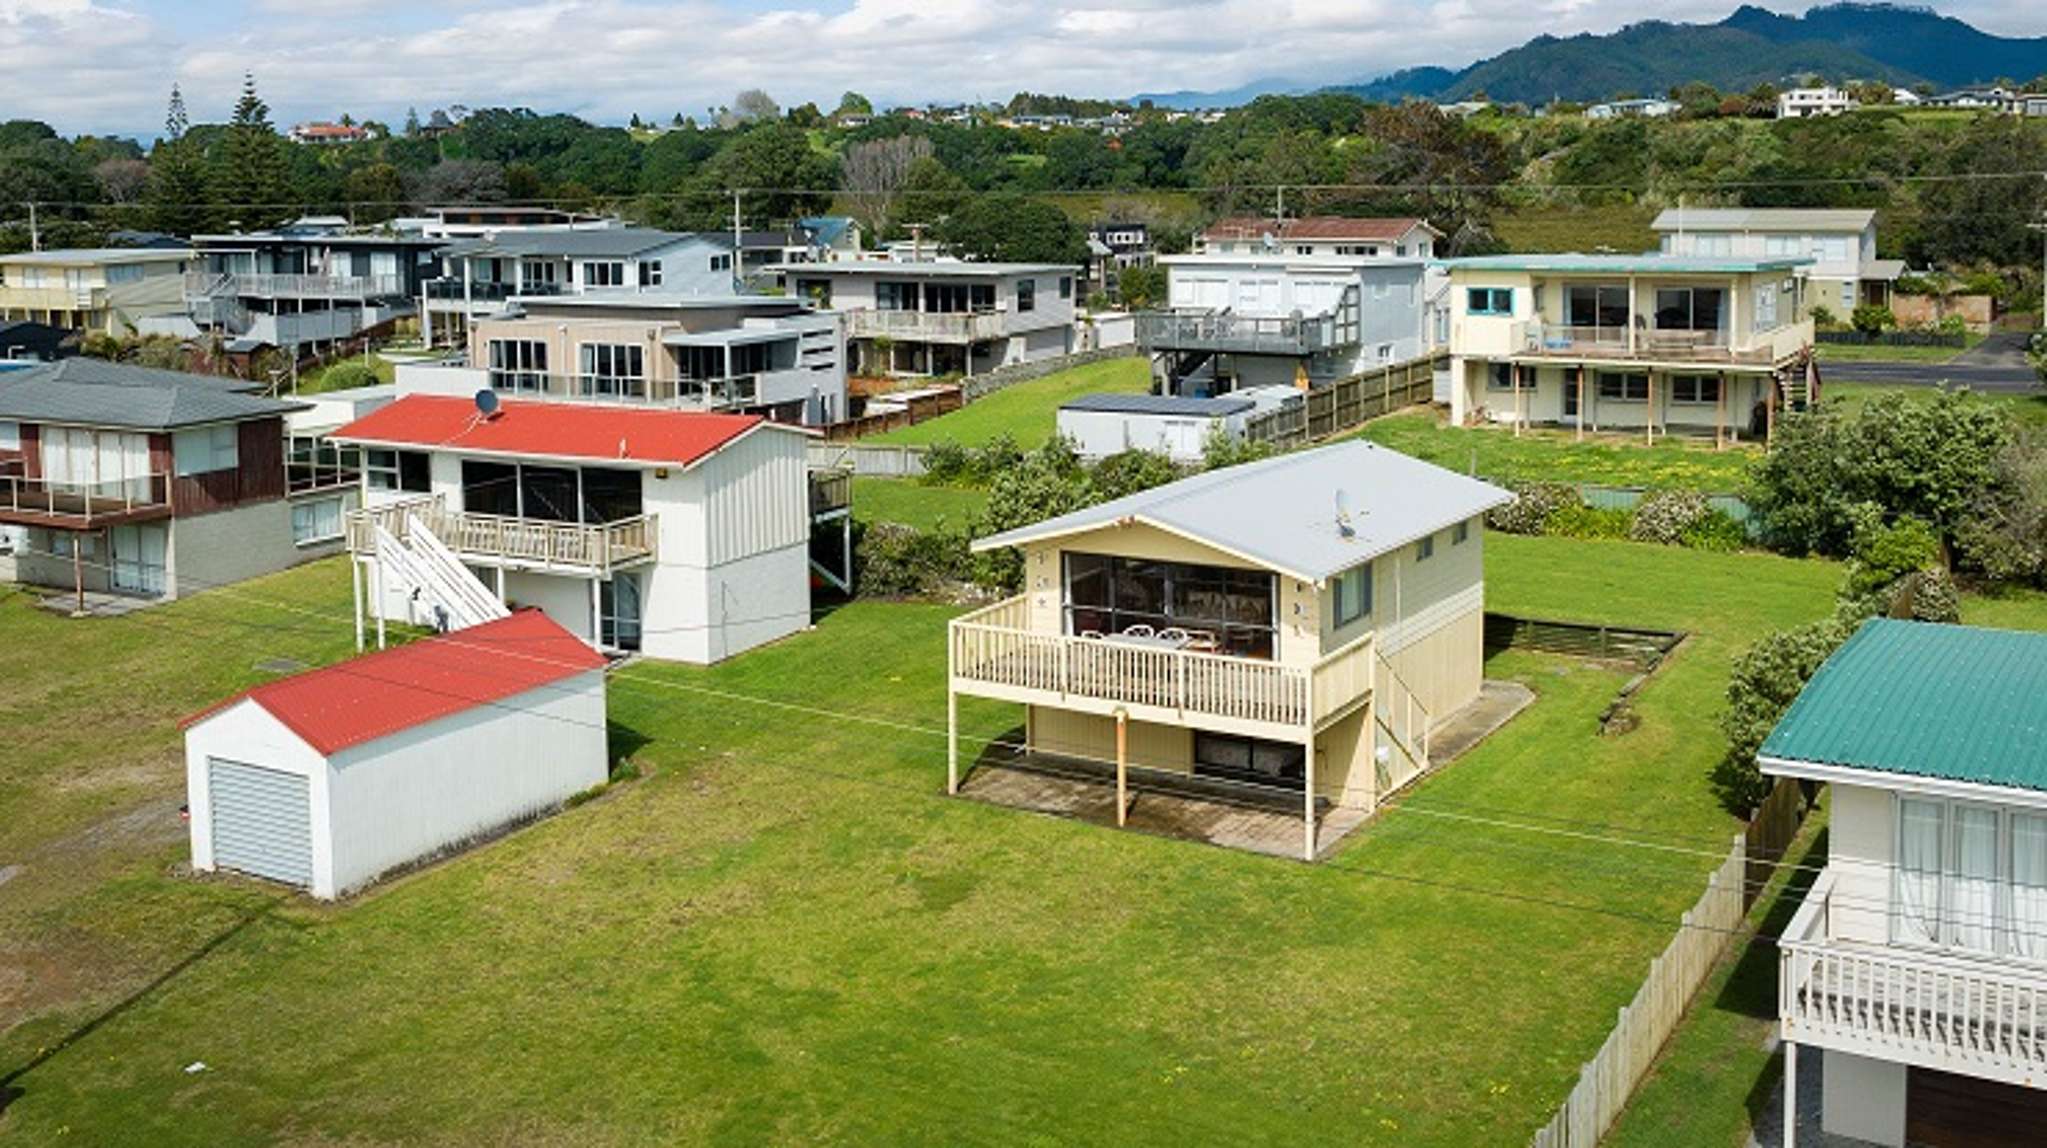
(411, 122)
(251, 176)
(174, 198)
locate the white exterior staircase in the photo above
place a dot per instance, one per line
(423, 567)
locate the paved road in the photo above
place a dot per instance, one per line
(1998, 363)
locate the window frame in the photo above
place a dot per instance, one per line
(1625, 393)
(191, 457)
(1026, 295)
(1497, 301)
(1460, 533)
(1697, 389)
(2003, 923)
(1359, 579)
(313, 504)
(1425, 547)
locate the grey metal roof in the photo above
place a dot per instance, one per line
(1158, 405)
(93, 256)
(929, 268)
(1651, 263)
(1282, 513)
(97, 393)
(589, 243)
(1763, 219)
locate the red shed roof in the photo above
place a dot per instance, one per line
(1339, 227)
(551, 430)
(379, 694)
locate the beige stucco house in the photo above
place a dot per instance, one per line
(1297, 624)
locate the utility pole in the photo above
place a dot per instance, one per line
(736, 257)
(1279, 204)
(35, 235)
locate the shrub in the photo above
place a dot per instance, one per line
(949, 464)
(1953, 325)
(1822, 317)
(1883, 553)
(1221, 449)
(1132, 471)
(1533, 504)
(893, 560)
(1664, 516)
(1578, 520)
(348, 376)
(1767, 676)
(1871, 319)
(1718, 530)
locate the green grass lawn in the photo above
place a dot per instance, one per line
(914, 503)
(781, 931)
(2027, 407)
(1851, 353)
(315, 381)
(1027, 411)
(1542, 453)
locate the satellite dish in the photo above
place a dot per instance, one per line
(486, 402)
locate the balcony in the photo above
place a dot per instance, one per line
(452, 289)
(996, 655)
(729, 392)
(1536, 339)
(585, 549)
(1228, 333)
(213, 284)
(1971, 1015)
(78, 506)
(928, 326)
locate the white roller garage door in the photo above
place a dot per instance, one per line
(262, 821)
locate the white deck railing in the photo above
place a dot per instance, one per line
(84, 501)
(596, 547)
(1973, 1016)
(996, 647)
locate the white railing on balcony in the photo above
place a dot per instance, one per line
(995, 646)
(593, 547)
(199, 284)
(868, 323)
(686, 394)
(83, 501)
(1227, 331)
(1535, 337)
(1974, 1016)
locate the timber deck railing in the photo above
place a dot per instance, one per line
(596, 547)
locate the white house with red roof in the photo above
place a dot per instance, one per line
(328, 779)
(681, 534)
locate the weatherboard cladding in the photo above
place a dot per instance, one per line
(1283, 512)
(1799, 219)
(1958, 703)
(1158, 405)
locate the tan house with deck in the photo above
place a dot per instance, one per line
(1656, 343)
(1292, 625)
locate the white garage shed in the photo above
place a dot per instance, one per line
(326, 779)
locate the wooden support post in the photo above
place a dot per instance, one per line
(1770, 410)
(596, 613)
(1649, 418)
(1122, 767)
(1790, 1137)
(355, 587)
(1308, 798)
(1516, 380)
(1720, 412)
(78, 572)
(952, 740)
(501, 583)
(1581, 402)
(377, 590)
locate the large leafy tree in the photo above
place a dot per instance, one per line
(782, 175)
(250, 173)
(1014, 228)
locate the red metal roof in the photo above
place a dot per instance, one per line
(1315, 227)
(377, 695)
(554, 430)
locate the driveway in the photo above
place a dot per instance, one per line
(1998, 363)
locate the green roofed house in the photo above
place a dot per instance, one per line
(1918, 961)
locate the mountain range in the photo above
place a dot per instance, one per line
(1862, 41)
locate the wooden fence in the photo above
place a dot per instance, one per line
(868, 460)
(912, 412)
(1606, 1082)
(1347, 403)
(1644, 648)
(1770, 832)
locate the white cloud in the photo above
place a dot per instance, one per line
(107, 64)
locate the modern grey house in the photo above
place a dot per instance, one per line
(943, 316)
(1840, 242)
(477, 278)
(1265, 317)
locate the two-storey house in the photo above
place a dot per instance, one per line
(942, 316)
(142, 482)
(479, 277)
(1238, 320)
(754, 354)
(1296, 625)
(1113, 246)
(1650, 342)
(1840, 242)
(304, 285)
(1917, 963)
(105, 289)
(681, 534)
(1390, 238)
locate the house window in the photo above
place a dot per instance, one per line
(604, 274)
(1026, 295)
(1783, 246)
(1303, 249)
(721, 262)
(1688, 308)
(1631, 387)
(613, 369)
(1385, 352)
(315, 520)
(1400, 250)
(1500, 377)
(1971, 877)
(1459, 533)
(1066, 286)
(10, 436)
(1597, 310)
(518, 364)
(120, 273)
(406, 470)
(1695, 389)
(1222, 609)
(1712, 245)
(1352, 594)
(1489, 301)
(895, 296)
(1766, 307)
(1425, 549)
(650, 273)
(206, 450)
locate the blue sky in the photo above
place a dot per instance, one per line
(107, 65)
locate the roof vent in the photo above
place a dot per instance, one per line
(1343, 523)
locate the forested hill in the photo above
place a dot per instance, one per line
(1874, 42)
